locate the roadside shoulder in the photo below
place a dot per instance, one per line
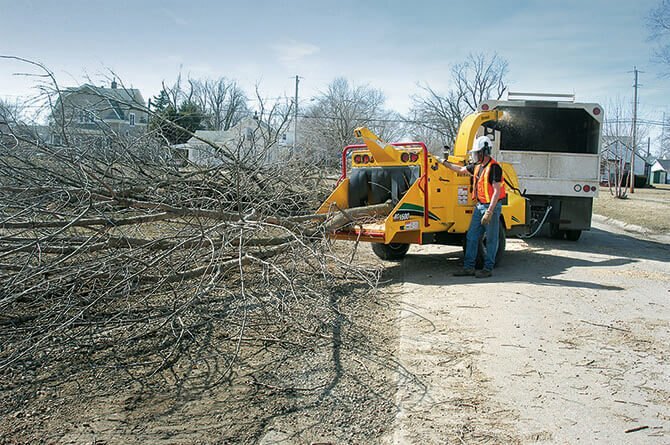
(621, 226)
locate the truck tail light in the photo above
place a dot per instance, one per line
(413, 157)
(404, 157)
(587, 188)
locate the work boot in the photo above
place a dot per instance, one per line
(464, 272)
(484, 273)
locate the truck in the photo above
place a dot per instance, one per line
(398, 194)
(553, 143)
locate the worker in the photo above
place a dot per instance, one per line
(488, 190)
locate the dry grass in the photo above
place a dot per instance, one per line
(649, 208)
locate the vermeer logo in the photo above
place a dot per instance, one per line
(401, 216)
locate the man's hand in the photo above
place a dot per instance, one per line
(486, 219)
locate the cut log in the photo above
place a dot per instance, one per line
(357, 214)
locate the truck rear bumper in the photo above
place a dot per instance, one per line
(567, 212)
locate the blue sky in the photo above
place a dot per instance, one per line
(587, 47)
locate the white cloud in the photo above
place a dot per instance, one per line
(294, 51)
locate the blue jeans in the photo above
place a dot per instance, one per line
(476, 230)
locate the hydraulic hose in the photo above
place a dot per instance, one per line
(544, 218)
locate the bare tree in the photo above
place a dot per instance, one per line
(618, 145)
(328, 125)
(663, 140)
(11, 111)
(222, 102)
(658, 22)
(478, 78)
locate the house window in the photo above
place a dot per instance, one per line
(56, 139)
(86, 117)
(283, 137)
(131, 119)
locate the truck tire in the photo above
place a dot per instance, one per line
(555, 232)
(481, 251)
(390, 252)
(573, 235)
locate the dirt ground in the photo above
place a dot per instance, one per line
(339, 389)
(567, 343)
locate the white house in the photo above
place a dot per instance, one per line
(615, 152)
(660, 172)
(250, 141)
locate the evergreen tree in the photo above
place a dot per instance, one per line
(160, 102)
(188, 117)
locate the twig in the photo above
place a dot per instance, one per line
(638, 428)
(605, 326)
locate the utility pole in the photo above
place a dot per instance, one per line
(295, 113)
(646, 160)
(663, 132)
(631, 173)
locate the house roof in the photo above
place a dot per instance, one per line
(665, 163)
(118, 99)
(614, 145)
(232, 133)
(119, 94)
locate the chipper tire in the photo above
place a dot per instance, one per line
(390, 252)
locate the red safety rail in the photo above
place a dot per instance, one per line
(423, 180)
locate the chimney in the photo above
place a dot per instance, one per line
(114, 85)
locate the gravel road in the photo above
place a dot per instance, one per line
(567, 343)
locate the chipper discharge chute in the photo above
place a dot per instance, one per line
(398, 194)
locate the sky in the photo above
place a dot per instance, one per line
(585, 47)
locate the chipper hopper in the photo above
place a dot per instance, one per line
(399, 194)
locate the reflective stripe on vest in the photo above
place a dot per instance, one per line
(483, 190)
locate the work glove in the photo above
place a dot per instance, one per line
(486, 219)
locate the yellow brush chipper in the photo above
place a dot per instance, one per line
(398, 194)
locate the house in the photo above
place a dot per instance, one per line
(616, 154)
(98, 112)
(250, 141)
(660, 172)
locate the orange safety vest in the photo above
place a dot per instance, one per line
(483, 190)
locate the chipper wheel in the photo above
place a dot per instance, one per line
(390, 252)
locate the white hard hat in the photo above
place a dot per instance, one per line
(482, 142)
